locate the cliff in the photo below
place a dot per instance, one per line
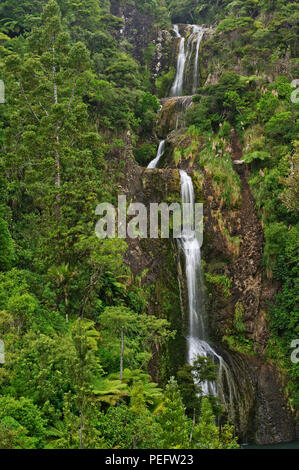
(239, 292)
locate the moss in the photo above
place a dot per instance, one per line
(164, 82)
(216, 161)
(238, 319)
(177, 156)
(202, 70)
(167, 295)
(221, 282)
(232, 242)
(198, 181)
(236, 337)
(241, 345)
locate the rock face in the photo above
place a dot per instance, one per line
(233, 247)
(172, 115)
(160, 60)
(246, 271)
(137, 27)
(273, 422)
(153, 262)
(261, 412)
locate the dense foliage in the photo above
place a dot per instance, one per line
(255, 59)
(77, 335)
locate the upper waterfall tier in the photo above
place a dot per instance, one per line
(187, 69)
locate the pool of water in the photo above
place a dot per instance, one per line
(282, 445)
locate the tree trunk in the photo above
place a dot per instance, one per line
(57, 158)
(192, 430)
(57, 176)
(122, 353)
(81, 429)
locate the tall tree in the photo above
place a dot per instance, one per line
(53, 151)
(172, 418)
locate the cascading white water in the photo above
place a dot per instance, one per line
(194, 40)
(197, 335)
(177, 87)
(197, 339)
(199, 32)
(186, 53)
(176, 30)
(160, 152)
(198, 344)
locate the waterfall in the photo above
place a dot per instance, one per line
(197, 334)
(176, 30)
(197, 338)
(199, 31)
(198, 343)
(177, 87)
(185, 56)
(160, 152)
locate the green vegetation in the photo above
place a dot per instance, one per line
(220, 282)
(82, 344)
(164, 82)
(78, 338)
(236, 338)
(251, 60)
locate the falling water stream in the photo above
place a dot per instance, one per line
(177, 87)
(197, 334)
(185, 55)
(197, 337)
(199, 32)
(176, 30)
(160, 152)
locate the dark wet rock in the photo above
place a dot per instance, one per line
(273, 422)
(137, 28)
(261, 412)
(172, 115)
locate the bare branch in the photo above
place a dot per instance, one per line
(46, 112)
(69, 105)
(28, 104)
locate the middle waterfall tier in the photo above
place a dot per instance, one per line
(161, 150)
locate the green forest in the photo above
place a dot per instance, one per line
(93, 331)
